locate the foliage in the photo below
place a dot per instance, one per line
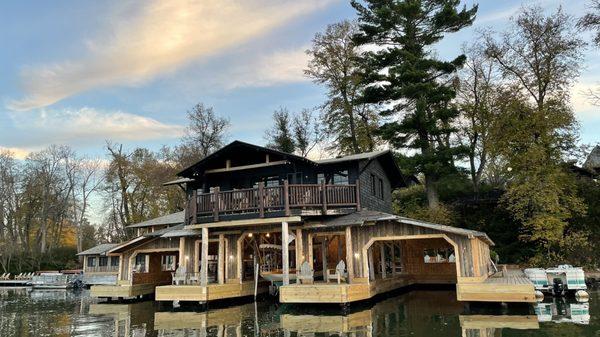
(333, 63)
(294, 133)
(591, 20)
(409, 82)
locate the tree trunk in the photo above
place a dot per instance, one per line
(433, 199)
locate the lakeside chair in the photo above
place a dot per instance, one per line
(179, 276)
(5, 276)
(194, 278)
(338, 274)
(305, 274)
(18, 277)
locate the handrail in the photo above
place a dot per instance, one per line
(264, 199)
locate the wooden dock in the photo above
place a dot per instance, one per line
(121, 290)
(509, 286)
(211, 292)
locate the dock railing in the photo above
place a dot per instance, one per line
(266, 199)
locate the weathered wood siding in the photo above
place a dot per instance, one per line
(155, 244)
(368, 200)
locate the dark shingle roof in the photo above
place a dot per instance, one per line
(100, 249)
(170, 219)
(359, 156)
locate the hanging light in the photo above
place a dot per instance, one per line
(250, 235)
(356, 255)
(268, 235)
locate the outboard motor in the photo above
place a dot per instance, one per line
(558, 288)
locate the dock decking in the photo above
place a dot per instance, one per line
(509, 286)
(211, 292)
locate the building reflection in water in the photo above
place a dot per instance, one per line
(418, 313)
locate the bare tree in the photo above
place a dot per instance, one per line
(205, 134)
(307, 132)
(591, 20)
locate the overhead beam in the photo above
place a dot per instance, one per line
(247, 167)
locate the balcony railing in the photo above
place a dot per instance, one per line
(263, 201)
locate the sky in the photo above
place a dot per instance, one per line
(80, 73)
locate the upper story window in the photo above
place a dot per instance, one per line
(381, 188)
(341, 178)
(321, 178)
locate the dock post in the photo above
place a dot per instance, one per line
(221, 260)
(371, 266)
(285, 253)
(382, 256)
(324, 245)
(204, 258)
(349, 255)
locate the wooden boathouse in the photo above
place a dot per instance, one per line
(315, 231)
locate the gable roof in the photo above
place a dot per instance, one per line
(367, 216)
(100, 249)
(169, 219)
(187, 172)
(359, 156)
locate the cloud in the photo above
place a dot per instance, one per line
(582, 104)
(160, 37)
(87, 125)
(19, 153)
(280, 67)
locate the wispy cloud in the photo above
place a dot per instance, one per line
(158, 38)
(18, 152)
(279, 67)
(88, 125)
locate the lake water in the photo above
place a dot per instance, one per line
(418, 313)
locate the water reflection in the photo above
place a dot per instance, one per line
(418, 313)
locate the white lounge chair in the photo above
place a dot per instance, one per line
(306, 274)
(339, 274)
(179, 276)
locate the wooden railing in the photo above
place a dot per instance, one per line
(101, 269)
(263, 200)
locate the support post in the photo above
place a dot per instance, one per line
(349, 255)
(309, 248)
(382, 257)
(299, 248)
(194, 206)
(358, 195)
(324, 245)
(216, 204)
(261, 199)
(393, 252)
(182, 251)
(285, 253)
(324, 197)
(286, 197)
(204, 258)
(221, 261)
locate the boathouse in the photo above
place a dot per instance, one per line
(313, 231)
(98, 268)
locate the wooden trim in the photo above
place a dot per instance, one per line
(411, 237)
(182, 251)
(247, 167)
(204, 258)
(299, 248)
(196, 255)
(475, 255)
(309, 246)
(248, 222)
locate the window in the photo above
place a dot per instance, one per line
(381, 188)
(168, 262)
(341, 178)
(91, 261)
(114, 261)
(373, 186)
(439, 255)
(140, 263)
(295, 178)
(321, 178)
(103, 261)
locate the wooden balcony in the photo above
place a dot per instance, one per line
(263, 201)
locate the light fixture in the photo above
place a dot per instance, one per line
(187, 257)
(250, 235)
(268, 235)
(356, 255)
(231, 257)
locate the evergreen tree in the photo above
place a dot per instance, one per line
(280, 136)
(406, 79)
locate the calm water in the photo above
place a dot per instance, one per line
(418, 313)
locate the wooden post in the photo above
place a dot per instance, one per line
(382, 257)
(286, 197)
(324, 197)
(216, 204)
(393, 252)
(194, 206)
(309, 248)
(285, 253)
(204, 258)
(324, 256)
(221, 261)
(299, 248)
(261, 199)
(197, 255)
(182, 252)
(349, 255)
(358, 194)
(371, 265)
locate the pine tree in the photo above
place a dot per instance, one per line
(404, 77)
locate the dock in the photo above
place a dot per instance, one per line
(510, 285)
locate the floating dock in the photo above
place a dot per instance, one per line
(510, 285)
